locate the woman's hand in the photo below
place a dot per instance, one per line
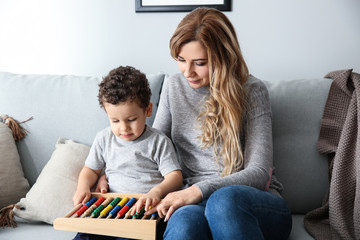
(175, 200)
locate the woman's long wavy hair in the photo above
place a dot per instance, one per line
(224, 109)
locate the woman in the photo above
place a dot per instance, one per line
(219, 118)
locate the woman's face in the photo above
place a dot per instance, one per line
(193, 63)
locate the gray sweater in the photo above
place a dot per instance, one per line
(176, 116)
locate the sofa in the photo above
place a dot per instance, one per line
(65, 111)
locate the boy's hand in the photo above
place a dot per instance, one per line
(81, 196)
(151, 199)
(172, 182)
(102, 185)
(87, 178)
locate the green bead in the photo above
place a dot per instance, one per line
(138, 215)
(115, 201)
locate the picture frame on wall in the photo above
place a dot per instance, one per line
(179, 5)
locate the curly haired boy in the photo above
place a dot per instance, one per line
(136, 158)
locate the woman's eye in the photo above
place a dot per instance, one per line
(181, 60)
(201, 64)
(115, 121)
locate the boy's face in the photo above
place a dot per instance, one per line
(128, 119)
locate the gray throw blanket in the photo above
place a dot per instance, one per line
(339, 216)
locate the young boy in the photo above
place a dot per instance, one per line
(136, 157)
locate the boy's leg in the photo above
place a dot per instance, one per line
(87, 236)
(243, 212)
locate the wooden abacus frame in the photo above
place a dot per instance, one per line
(127, 228)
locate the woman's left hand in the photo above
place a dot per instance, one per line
(175, 200)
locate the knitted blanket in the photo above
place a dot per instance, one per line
(339, 139)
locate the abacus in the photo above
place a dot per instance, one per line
(109, 214)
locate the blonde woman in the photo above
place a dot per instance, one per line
(219, 119)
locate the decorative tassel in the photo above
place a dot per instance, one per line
(7, 216)
(18, 131)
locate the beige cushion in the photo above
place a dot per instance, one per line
(13, 184)
(51, 195)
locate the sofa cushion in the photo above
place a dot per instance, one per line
(155, 82)
(298, 231)
(13, 184)
(51, 196)
(62, 106)
(297, 108)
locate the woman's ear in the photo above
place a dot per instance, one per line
(148, 110)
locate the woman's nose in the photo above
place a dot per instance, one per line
(188, 72)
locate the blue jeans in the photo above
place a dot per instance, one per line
(232, 212)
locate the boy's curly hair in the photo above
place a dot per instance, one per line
(123, 84)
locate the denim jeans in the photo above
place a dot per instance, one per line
(232, 212)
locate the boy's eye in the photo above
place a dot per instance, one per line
(132, 119)
(115, 121)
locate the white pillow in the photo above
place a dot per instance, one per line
(13, 184)
(51, 195)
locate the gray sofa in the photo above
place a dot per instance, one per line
(67, 107)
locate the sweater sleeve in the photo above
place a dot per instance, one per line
(257, 146)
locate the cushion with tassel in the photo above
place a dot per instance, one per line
(13, 184)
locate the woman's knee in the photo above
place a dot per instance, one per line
(187, 222)
(185, 214)
(245, 205)
(228, 197)
(239, 199)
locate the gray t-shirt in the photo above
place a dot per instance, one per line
(178, 110)
(133, 166)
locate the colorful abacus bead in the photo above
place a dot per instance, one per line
(108, 208)
(138, 215)
(118, 207)
(154, 216)
(126, 208)
(93, 207)
(85, 207)
(97, 211)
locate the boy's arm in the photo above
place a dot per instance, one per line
(172, 182)
(87, 178)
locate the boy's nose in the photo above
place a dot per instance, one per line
(123, 127)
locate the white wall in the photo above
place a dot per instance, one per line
(280, 39)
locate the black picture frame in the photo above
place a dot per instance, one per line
(225, 6)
